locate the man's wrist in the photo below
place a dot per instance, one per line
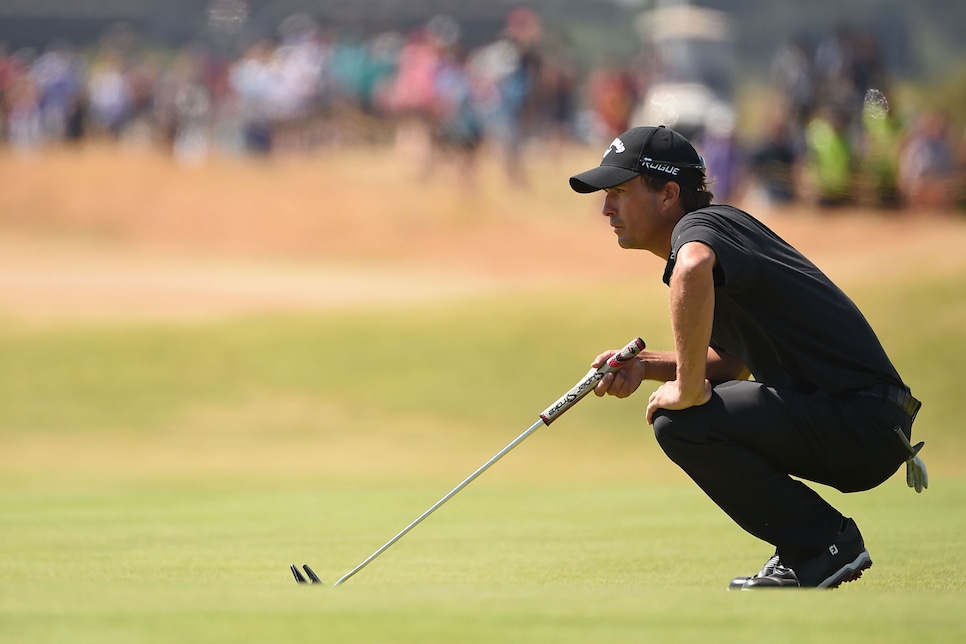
(691, 389)
(658, 366)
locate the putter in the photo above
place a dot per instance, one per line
(550, 414)
(308, 571)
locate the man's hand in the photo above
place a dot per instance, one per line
(621, 383)
(671, 396)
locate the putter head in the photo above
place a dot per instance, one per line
(311, 573)
(300, 578)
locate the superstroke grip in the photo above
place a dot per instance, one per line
(582, 388)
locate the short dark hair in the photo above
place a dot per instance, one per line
(692, 198)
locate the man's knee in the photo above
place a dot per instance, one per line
(674, 432)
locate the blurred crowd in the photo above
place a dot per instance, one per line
(304, 88)
(832, 138)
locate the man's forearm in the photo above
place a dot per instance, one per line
(658, 365)
(662, 366)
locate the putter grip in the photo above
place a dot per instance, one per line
(582, 388)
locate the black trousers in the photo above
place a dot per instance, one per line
(746, 444)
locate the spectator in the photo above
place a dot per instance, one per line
(296, 67)
(459, 129)
(508, 72)
(927, 166)
(960, 184)
(828, 158)
(880, 156)
(722, 153)
(110, 95)
(792, 73)
(23, 108)
(250, 78)
(774, 162)
(612, 97)
(558, 89)
(57, 81)
(835, 76)
(412, 98)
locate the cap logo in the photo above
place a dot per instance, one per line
(661, 167)
(616, 145)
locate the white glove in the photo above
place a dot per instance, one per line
(916, 474)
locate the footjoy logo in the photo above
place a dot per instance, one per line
(661, 167)
(616, 145)
(833, 549)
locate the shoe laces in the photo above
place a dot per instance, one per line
(771, 565)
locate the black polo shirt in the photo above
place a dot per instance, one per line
(777, 312)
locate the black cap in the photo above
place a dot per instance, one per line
(657, 151)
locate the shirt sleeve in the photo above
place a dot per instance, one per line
(737, 264)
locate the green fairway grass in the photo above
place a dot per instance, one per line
(537, 563)
(156, 480)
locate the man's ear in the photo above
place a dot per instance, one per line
(670, 192)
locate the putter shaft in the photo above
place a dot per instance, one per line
(568, 400)
(519, 439)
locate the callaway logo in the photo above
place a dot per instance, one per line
(616, 145)
(661, 167)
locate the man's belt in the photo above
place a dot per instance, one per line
(896, 395)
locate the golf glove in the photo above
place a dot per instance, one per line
(916, 474)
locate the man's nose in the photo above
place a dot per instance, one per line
(607, 208)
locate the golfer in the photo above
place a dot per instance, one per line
(775, 377)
